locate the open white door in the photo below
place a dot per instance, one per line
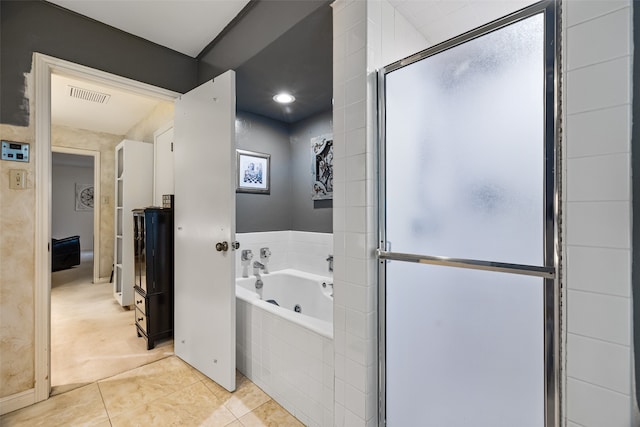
(205, 303)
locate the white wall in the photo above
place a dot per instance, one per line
(596, 199)
(597, 207)
(65, 220)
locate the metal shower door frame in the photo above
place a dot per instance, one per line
(550, 272)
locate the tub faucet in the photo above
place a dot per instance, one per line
(257, 266)
(246, 255)
(245, 260)
(265, 253)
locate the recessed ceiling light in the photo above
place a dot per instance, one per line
(284, 98)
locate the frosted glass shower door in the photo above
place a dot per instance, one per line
(467, 230)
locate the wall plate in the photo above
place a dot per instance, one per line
(15, 151)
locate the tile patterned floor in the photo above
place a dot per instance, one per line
(168, 392)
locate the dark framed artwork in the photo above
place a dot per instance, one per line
(253, 172)
(322, 165)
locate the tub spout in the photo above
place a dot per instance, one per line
(257, 266)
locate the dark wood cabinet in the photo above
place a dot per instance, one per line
(153, 298)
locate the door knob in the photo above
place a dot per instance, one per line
(222, 246)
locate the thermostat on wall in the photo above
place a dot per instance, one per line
(16, 151)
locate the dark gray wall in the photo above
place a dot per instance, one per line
(261, 23)
(307, 214)
(37, 26)
(289, 205)
(265, 212)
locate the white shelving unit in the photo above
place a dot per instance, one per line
(134, 189)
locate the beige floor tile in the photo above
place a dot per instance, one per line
(146, 384)
(246, 398)
(194, 405)
(270, 415)
(82, 406)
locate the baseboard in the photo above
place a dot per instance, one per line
(102, 280)
(17, 401)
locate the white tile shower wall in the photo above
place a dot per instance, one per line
(359, 28)
(290, 363)
(597, 205)
(309, 251)
(305, 251)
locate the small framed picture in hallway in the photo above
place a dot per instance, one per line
(84, 197)
(253, 172)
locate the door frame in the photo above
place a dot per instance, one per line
(97, 202)
(551, 271)
(43, 67)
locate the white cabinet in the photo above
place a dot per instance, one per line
(134, 189)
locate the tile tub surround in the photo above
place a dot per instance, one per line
(166, 392)
(300, 250)
(292, 364)
(289, 362)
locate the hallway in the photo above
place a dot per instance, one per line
(92, 336)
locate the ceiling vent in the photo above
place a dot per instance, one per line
(88, 95)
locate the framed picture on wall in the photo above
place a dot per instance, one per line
(253, 172)
(84, 197)
(322, 167)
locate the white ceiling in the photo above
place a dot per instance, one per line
(186, 26)
(117, 116)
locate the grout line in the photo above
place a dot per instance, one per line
(568, 70)
(627, 297)
(573, 422)
(593, 18)
(597, 385)
(103, 402)
(597, 109)
(591, 156)
(597, 339)
(596, 246)
(627, 347)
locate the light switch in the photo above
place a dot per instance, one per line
(17, 179)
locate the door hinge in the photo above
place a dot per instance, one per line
(172, 147)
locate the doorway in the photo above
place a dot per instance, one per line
(468, 205)
(44, 66)
(77, 171)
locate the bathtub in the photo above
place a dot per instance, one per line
(303, 298)
(288, 354)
